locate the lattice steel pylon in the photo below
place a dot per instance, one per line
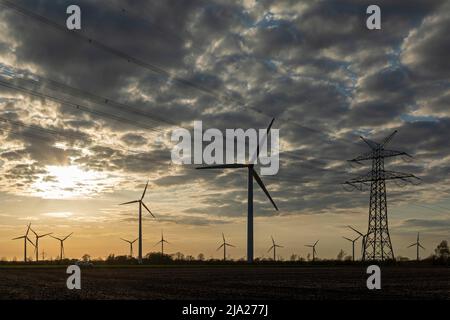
(377, 245)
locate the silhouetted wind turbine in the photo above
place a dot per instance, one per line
(353, 245)
(162, 243)
(131, 245)
(363, 242)
(313, 246)
(274, 248)
(25, 239)
(251, 175)
(224, 246)
(141, 203)
(36, 246)
(417, 244)
(61, 242)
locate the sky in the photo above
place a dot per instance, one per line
(86, 118)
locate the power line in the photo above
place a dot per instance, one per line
(153, 68)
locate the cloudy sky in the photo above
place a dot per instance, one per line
(86, 118)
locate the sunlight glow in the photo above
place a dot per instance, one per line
(69, 182)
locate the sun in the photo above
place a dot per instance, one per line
(69, 182)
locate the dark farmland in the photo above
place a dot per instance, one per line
(226, 282)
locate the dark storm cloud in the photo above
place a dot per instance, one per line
(313, 65)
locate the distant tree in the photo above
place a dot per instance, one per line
(308, 257)
(86, 257)
(348, 258)
(341, 255)
(179, 256)
(293, 257)
(190, 258)
(442, 251)
(201, 257)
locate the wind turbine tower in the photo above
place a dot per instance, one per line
(141, 204)
(224, 246)
(313, 246)
(417, 244)
(251, 174)
(36, 246)
(353, 245)
(61, 245)
(25, 239)
(131, 245)
(274, 248)
(162, 241)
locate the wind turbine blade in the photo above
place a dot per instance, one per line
(270, 248)
(308, 245)
(44, 235)
(147, 209)
(224, 166)
(18, 238)
(134, 201)
(261, 184)
(31, 229)
(30, 241)
(316, 242)
(355, 230)
(135, 240)
(230, 245)
(125, 240)
(279, 246)
(273, 241)
(67, 236)
(411, 245)
(263, 139)
(56, 238)
(347, 239)
(223, 237)
(421, 246)
(157, 243)
(220, 246)
(145, 189)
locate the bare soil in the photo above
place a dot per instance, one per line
(227, 282)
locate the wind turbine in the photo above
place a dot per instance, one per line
(141, 203)
(61, 241)
(274, 248)
(131, 245)
(162, 243)
(251, 175)
(353, 245)
(314, 249)
(417, 244)
(224, 245)
(25, 239)
(363, 242)
(36, 246)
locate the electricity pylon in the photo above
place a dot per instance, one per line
(377, 245)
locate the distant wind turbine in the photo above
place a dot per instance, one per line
(141, 203)
(61, 242)
(274, 248)
(224, 246)
(313, 246)
(251, 175)
(162, 241)
(36, 246)
(417, 244)
(25, 239)
(131, 245)
(363, 242)
(353, 245)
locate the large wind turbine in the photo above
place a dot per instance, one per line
(417, 244)
(25, 239)
(274, 248)
(162, 243)
(141, 203)
(353, 245)
(61, 242)
(131, 245)
(36, 246)
(224, 246)
(313, 246)
(251, 175)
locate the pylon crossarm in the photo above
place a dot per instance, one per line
(365, 156)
